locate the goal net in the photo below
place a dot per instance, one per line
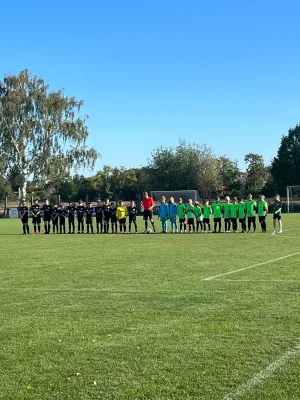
(184, 194)
(293, 198)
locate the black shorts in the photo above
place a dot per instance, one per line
(251, 219)
(242, 220)
(55, 222)
(89, 221)
(262, 218)
(47, 218)
(71, 218)
(24, 221)
(132, 218)
(190, 221)
(276, 216)
(122, 221)
(206, 220)
(148, 215)
(114, 219)
(227, 219)
(106, 218)
(233, 219)
(217, 219)
(36, 220)
(182, 220)
(62, 221)
(99, 219)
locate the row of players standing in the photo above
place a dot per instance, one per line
(232, 212)
(107, 215)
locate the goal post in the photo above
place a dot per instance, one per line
(293, 198)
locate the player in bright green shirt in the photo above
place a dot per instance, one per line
(207, 212)
(190, 216)
(251, 213)
(277, 214)
(242, 214)
(227, 214)
(198, 216)
(181, 215)
(262, 211)
(217, 211)
(234, 213)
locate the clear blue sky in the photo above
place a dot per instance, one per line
(223, 73)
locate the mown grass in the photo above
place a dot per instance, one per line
(130, 316)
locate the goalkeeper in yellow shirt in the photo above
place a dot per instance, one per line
(121, 215)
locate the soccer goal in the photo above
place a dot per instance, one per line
(293, 198)
(184, 194)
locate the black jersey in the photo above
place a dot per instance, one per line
(23, 212)
(99, 212)
(71, 211)
(113, 210)
(62, 213)
(35, 209)
(80, 211)
(89, 213)
(55, 212)
(132, 211)
(47, 211)
(107, 211)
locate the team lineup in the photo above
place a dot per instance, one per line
(183, 218)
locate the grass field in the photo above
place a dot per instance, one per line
(132, 317)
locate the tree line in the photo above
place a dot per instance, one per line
(43, 136)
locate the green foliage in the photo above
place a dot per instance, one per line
(229, 171)
(285, 167)
(41, 132)
(257, 173)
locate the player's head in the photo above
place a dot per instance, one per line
(146, 195)
(206, 202)
(240, 200)
(234, 199)
(163, 199)
(24, 203)
(250, 196)
(277, 197)
(70, 203)
(55, 205)
(218, 199)
(196, 204)
(36, 201)
(171, 199)
(107, 202)
(98, 202)
(262, 197)
(180, 200)
(62, 206)
(90, 204)
(190, 201)
(80, 202)
(132, 203)
(227, 198)
(121, 203)
(47, 202)
(112, 203)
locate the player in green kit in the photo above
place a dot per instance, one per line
(190, 216)
(251, 213)
(234, 214)
(277, 214)
(207, 212)
(227, 214)
(217, 211)
(181, 215)
(262, 210)
(198, 216)
(242, 214)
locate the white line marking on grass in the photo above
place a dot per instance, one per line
(258, 280)
(251, 266)
(264, 374)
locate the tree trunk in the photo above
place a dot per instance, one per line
(24, 187)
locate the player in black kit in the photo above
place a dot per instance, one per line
(62, 212)
(132, 212)
(80, 216)
(89, 218)
(47, 212)
(23, 213)
(106, 215)
(54, 217)
(71, 217)
(99, 216)
(113, 218)
(36, 216)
